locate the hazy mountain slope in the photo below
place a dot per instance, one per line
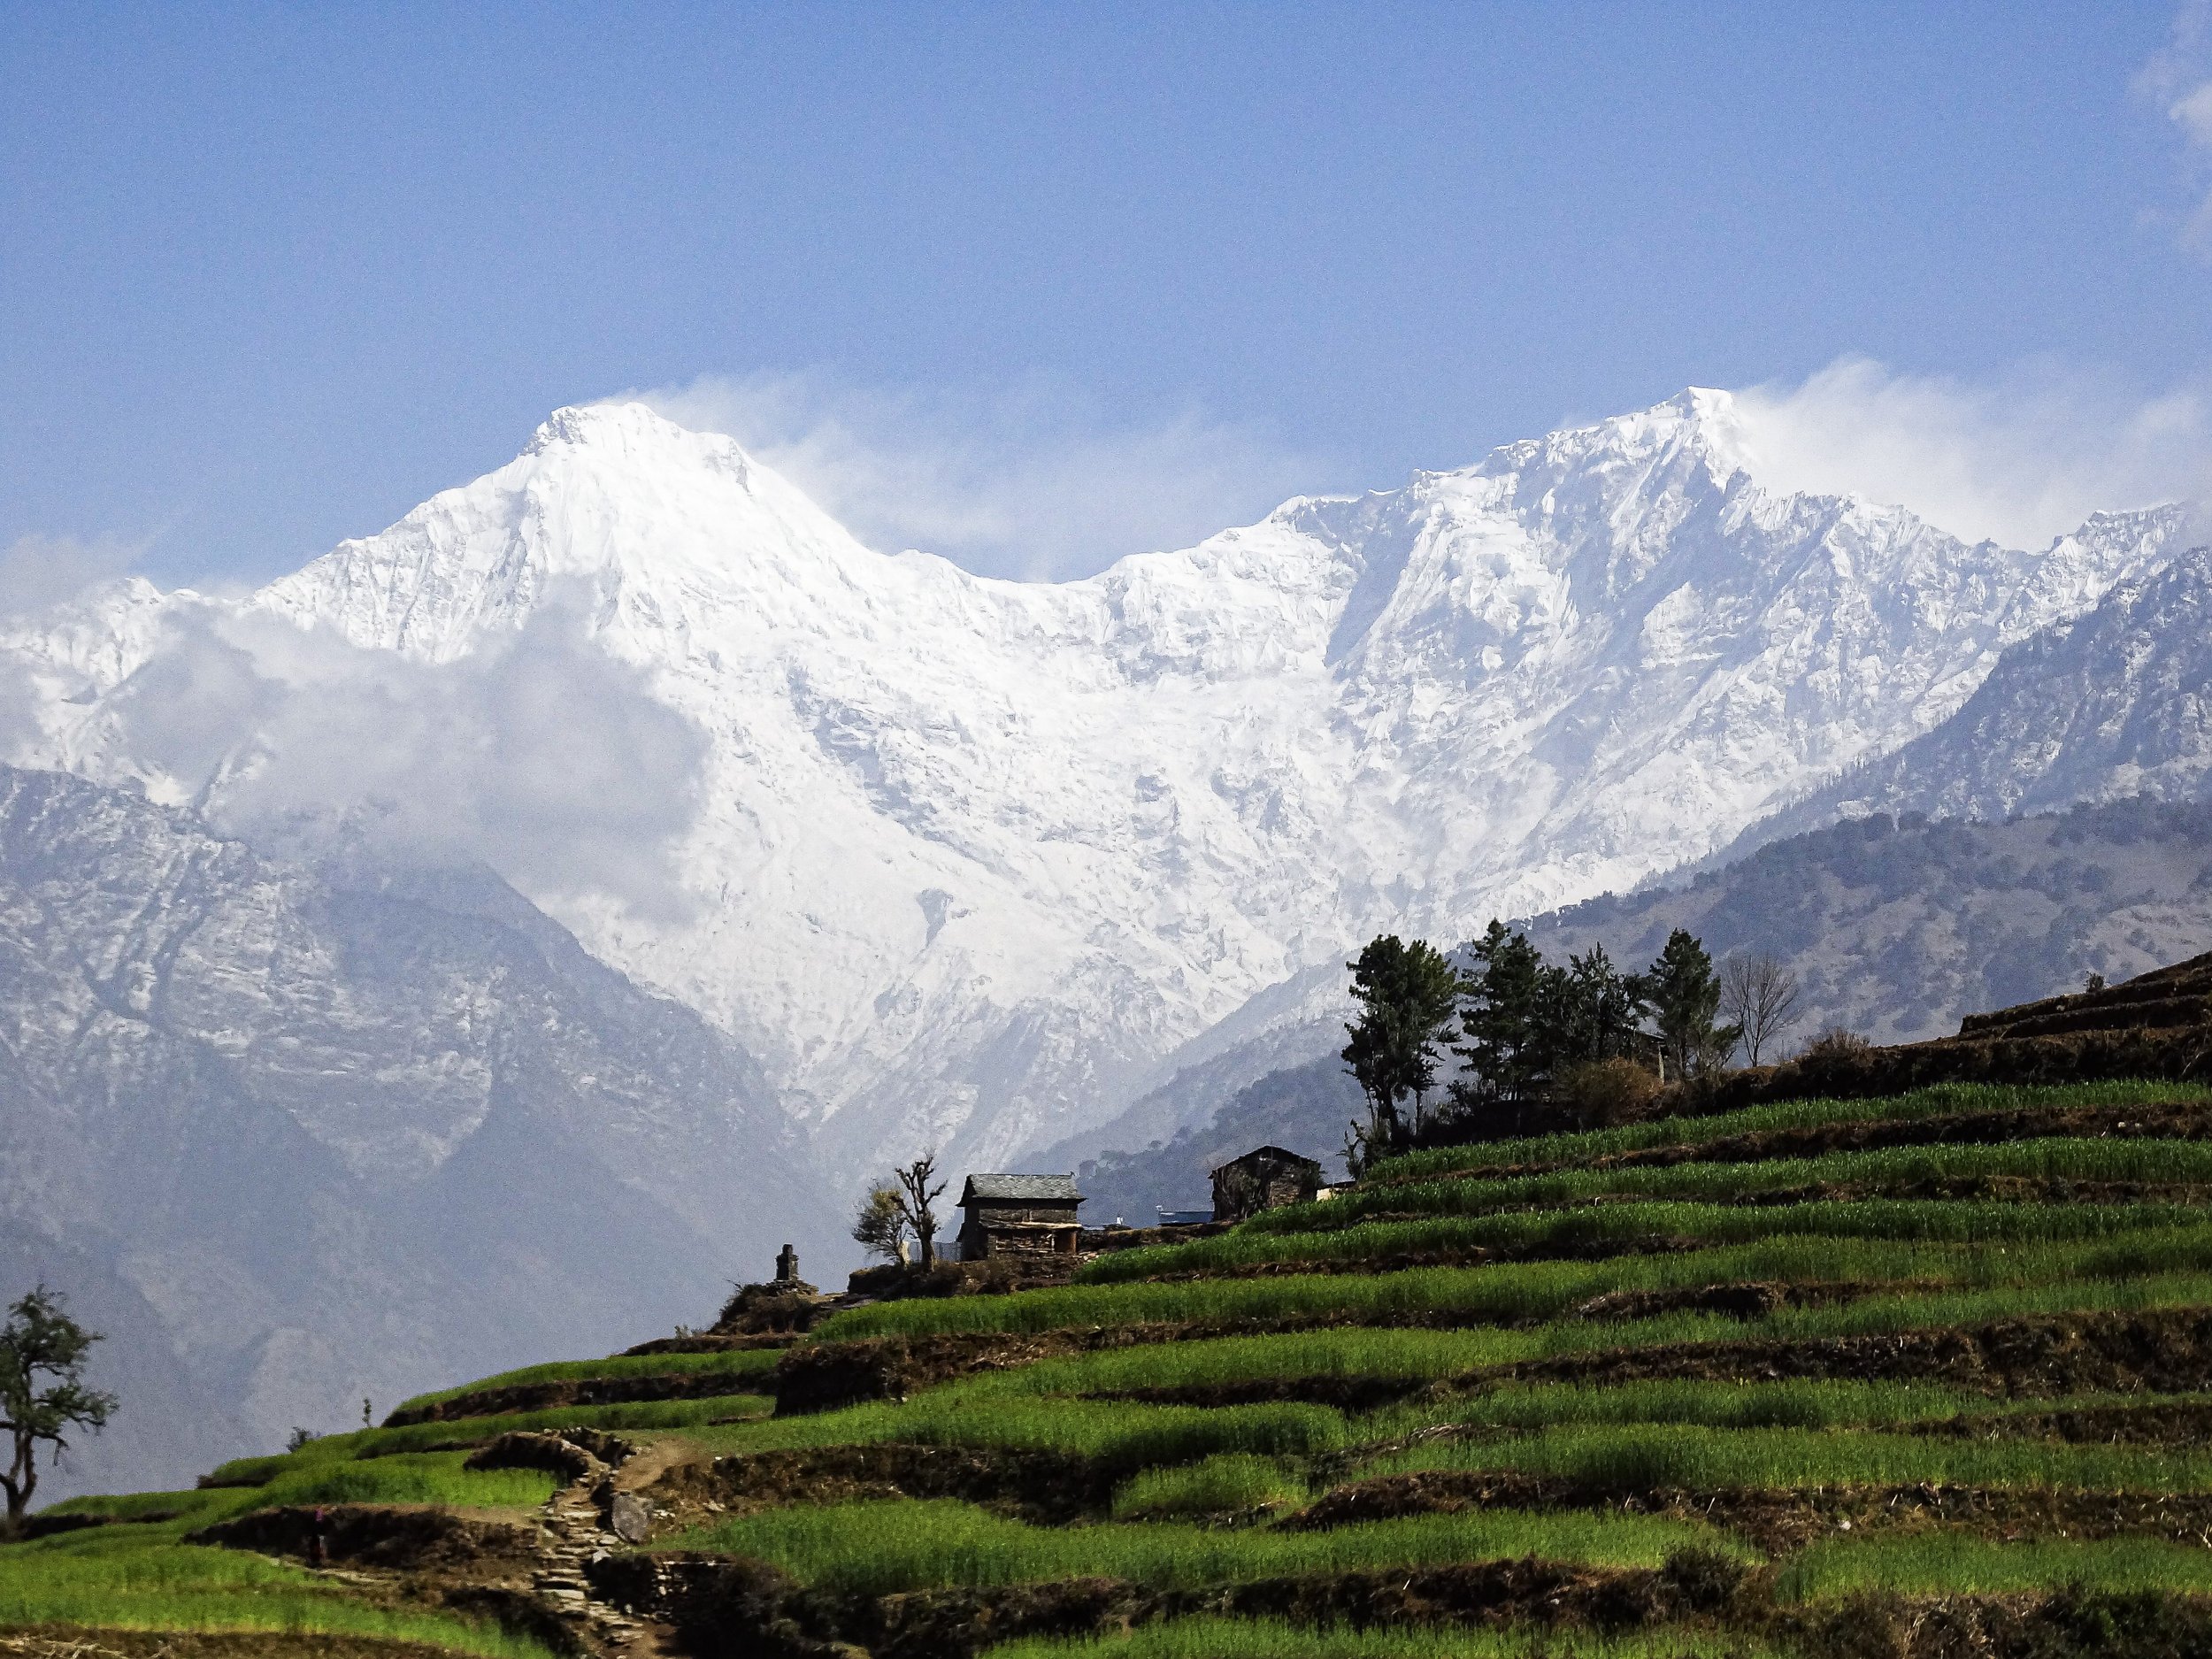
(1898, 932)
(2117, 702)
(1894, 932)
(344, 1133)
(977, 862)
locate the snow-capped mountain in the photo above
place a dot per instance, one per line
(977, 862)
(2117, 702)
(295, 1136)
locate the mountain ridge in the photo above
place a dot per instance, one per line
(310, 1134)
(2113, 702)
(972, 862)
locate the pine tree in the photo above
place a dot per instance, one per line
(1501, 1013)
(1589, 1010)
(1685, 995)
(1408, 997)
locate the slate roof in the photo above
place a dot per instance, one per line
(1022, 1189)
(1282, 1155)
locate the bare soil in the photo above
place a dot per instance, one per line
(2164, 1423)
(394, 1537)
(711, 1342)
(1045, 1487)
(576, 1391)
(729, 1609)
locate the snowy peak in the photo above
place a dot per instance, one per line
(610, 500)
(1695, 429)
(967, 862)
(632, 433)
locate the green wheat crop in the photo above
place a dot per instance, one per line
(1625, 1226)
(467, 1431)
(748, 1364)
(1523, 1292)
(879, 1548)
(141, 1577)
(1943, 1099)
(1951, 1563)
(1229, 1483)
(2052, 1159)
(1649, 1456)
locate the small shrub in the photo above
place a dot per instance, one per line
(1837, 1042)
(765, 1308)
(1604, 1093)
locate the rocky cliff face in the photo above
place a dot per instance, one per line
(2114, 703)
(978, 863)
(299, 1136)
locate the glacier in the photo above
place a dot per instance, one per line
(977, 863)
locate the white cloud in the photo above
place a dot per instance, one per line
(2177, 81)
(2019, 460)
(1030, 481)
(38, 571)
(536, 754)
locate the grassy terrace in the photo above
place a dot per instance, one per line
(878, 1548)
(1980, 1366)
(1944, 1101)
(1639, 1457)
(1520, 1293)
(435, 1478)
(138, 1573)
(143, 1578)
(1273, 1639)
(745, 1370)
(1632, 1225)
(365, 1444)
(2059, 1159)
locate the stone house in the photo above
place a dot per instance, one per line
(1019, 1215)
(1263, 1178)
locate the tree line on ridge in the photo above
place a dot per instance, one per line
(1582, 1037)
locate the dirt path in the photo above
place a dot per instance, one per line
(579, 1524)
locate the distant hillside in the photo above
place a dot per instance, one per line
(295, 1137)
(1900, 930)
(1895, 931)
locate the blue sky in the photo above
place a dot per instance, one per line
(1038, 285)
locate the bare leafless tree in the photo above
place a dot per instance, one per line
(915, 1198)
(1758, 994)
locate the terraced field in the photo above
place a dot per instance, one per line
(1922, 1376)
